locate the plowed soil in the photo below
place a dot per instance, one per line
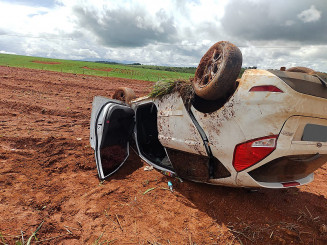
(49, 181)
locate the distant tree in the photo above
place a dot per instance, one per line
(107, 62)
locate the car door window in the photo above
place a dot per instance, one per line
(113, 127)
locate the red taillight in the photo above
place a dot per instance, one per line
(266, 88)
(290, 184)
(249, 153)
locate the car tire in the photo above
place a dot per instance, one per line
(217, 71)
(124, 94)
(301, 69)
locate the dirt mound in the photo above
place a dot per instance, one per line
(49, 181)
(46, 62)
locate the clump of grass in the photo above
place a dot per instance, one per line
(162, 88)
(183, 87)
(2, 239)
(19, 239)
(34, 234)
(168, 86)
(98, 242)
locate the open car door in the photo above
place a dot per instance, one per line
(111, 127)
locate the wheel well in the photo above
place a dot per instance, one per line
(208, 106)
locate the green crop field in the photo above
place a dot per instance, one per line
(98, 69)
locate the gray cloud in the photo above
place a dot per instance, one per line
(2, 32)
(293, 20)
(45, 3)
(280, 53)
(11, 44)
(127, 27)
(208, 30)
(176, 33)
(310, 15)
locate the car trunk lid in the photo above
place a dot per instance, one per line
(314, 85)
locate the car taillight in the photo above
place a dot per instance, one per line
(266, 88)
(290, 184)
(251, 152)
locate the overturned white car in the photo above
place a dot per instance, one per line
(268, 129)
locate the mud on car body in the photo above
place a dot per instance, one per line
(270, 131)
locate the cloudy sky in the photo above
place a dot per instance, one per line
(270, 34)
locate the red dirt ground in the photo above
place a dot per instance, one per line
(46, 62)
(48, 175)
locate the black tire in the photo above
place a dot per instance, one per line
(124, 94)
(217, 71)
(301, 69)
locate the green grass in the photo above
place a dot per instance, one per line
(94, 68)
(168, 68)
(162, 88)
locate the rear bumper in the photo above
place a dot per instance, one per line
(288, 168)
(294, 159)
(250, 182)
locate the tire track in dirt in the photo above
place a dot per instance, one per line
(55, 84)
(26, 108)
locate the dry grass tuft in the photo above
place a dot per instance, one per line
(183, 87)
